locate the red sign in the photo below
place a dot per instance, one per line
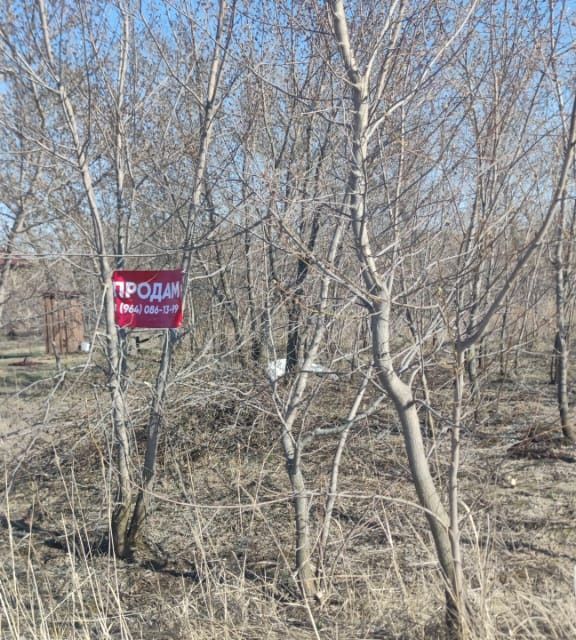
(148, 299)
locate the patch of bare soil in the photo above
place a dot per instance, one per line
(218, 558)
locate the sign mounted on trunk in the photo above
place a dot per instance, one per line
(148, 299)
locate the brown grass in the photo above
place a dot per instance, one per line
(218, 562)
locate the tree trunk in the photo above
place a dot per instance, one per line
(554, 359)
(143, 499)
(456, 609)
(561, 340)
(405, 406)
(8, 253)
(301, 503)
(133, 523)
(379, 303)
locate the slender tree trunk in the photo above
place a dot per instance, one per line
(331, 493)
(301, 503)
(472, 356)
(119, 409)
(143, 499)
(503, 348)
(456, 600)
(8, 255)
(256, 336)
(554, 359)
(296, 296)
(208, 109)
(561, 341)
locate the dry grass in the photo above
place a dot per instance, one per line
(219, 557)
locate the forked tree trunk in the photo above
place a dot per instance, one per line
(293, 447)
(379, 304)
(404, 403)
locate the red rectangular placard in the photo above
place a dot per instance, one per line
(148, 299)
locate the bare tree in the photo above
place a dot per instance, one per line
(208, 99)
(563, 244)
(22, 176)
(368, 71)
(80, 85)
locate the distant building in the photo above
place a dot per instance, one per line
(63, 321)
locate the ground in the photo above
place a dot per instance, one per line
(218, 557)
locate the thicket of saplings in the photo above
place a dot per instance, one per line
(218, 556)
